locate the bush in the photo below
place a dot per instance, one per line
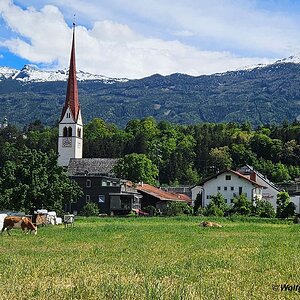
(289, 210)
(264, 209)
(90, 209)
(217, 206)
(177, 208)
(284, 208)
(242, 206)
(198, 203)
(213, 210)
(151, 210)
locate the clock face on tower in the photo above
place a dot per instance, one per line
(67, 142)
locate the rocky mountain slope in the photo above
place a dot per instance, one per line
(261, 94)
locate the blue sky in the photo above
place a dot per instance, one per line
(134, 38)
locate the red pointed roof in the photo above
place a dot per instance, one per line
(72, 90)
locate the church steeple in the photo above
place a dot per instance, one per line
(70, 129)
(72, 90)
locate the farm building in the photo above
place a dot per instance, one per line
(153, 196)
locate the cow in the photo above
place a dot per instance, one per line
(24, 223)
(209, 224)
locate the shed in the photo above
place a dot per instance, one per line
(153, 196)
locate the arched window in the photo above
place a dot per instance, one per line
(65, 131)
(70, 131)
(78, 132)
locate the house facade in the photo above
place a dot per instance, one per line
(100, 186)
(230, 184)
(270, 190)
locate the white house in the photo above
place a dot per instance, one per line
(270, 190)
(230, 184)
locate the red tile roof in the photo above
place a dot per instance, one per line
(161, 194)
(234, 172)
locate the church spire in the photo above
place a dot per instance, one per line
(72, 90)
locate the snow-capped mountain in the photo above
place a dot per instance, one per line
(291, 59)
(32, 74)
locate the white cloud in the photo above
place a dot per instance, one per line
(108, 47)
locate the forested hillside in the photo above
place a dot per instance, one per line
(183, 153)
(264, 95)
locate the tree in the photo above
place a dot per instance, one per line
(282, 201)
(137, 168)
(217, 206)
(280, 173)
(175, 208)
(264, 209)
(90, 209)
(197, 203)
(220, 158)
(31, 179)
(241, 205)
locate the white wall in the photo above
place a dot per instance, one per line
(75, 150)
(296, 201)
(195, 191)
(269, 193)
(229, 188)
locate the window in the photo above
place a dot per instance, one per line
(208, 197)
(88, 183)
(232, 188)
(70, 131)
(101, 198)
(226, 200)
(228, 177)
(87, 198)
(65, 131)
(68, 115)
(78, 132)
(225, 188)
(240, 190)
(104, 183)
(231, 200)
(219, 188)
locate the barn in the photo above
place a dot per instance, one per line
(153, 196)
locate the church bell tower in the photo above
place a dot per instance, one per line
(70, 129)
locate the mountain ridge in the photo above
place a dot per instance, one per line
(261, 95)
(31, 73)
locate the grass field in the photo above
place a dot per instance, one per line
(152, 258)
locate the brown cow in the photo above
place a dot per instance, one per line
(24, 223)
(209, 224)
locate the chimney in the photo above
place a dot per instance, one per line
(253, 176)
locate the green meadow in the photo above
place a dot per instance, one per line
(152, 258)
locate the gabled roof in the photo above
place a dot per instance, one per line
(261, 176)
(161, 194)
(72, 101)
(232, 172)
(91, 166)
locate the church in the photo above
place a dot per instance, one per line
(93, 175)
